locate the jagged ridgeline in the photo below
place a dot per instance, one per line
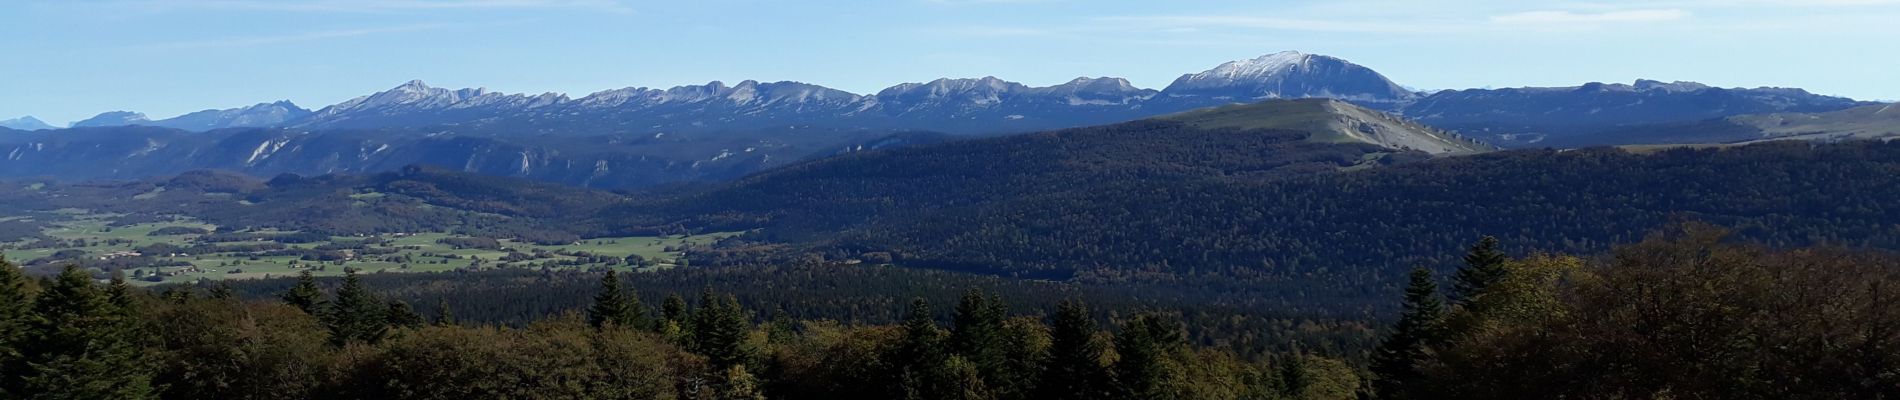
(638, 137)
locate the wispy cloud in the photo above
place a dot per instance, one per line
(956, 2)
(292, 38)
(380, 5)
(1184, 22)
(1558, 18)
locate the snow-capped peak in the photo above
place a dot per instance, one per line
(1289, 74)
(1254, 69)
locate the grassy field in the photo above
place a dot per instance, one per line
(419, 252)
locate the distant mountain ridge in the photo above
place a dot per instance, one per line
(256, 116)
(977, 105)
(1510, 117)
(1526, 117)
(26, 123)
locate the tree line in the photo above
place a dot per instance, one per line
(1690, 312)
(69, 337)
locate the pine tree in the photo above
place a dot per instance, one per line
(305, 295)
(119, 293)
(1396, 363)
(615, 305)
(79, 345)
(1294, 379)
(674, 321)
(978, 337)
(15, 310)
(920, 356)
(1484, 266)
(223, 291)
(356, 316)
(978, 329)
(1146, 369)
(719, 330)
(1075, 368)
(400, 315)
(443, 316)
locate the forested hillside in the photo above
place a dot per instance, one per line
(1077, 204)
(1687, 313)
(413, 199)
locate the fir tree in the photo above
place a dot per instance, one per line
(356, 316)
(1075, 368)
(1294, 379)
(673, 308)
(305, 295)
(978, 337)
(80, 346)
(1395, 364)
(223, 291)
(920, 356)
(1146, 369)
(615, 305)
(443, 316)
(1484, 266)
(719, 330)
(400, 315)
(674, 320)
(15, 308)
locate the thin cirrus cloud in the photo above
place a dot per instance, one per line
(382, 5)
(1550, 17)
(1190, 22)
(292, 38)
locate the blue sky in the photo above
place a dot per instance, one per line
(69, 59)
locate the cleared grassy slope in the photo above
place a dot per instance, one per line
(1332, 121)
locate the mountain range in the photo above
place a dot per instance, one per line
(637, 137)
(1514, 117)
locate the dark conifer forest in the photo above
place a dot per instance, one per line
(1688, 312)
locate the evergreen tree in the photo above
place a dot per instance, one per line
(920, 356)
(305, 295)
(781, 329)
(79, 345)
(673, 308)
(719, 330)
(15, 310)
(1294, 379)
(119, 293)
(356, 316)
(177, 294)
(979, 338)
(1146, 369)
(223, 291)
(674, 320)
(1075, 368)
(615, 305)
(400, 315)
(443, 316)
(1484, 266)
(978, 330)
(1395, 364)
